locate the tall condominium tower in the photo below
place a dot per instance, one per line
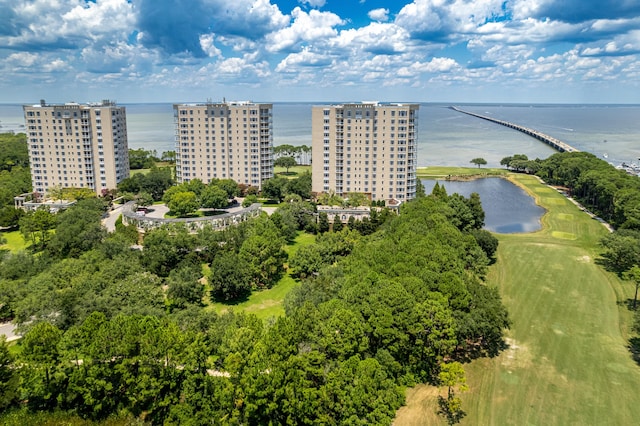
(366, 147)
(228, 140)
(77, 145)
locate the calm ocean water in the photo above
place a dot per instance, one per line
(446, 137)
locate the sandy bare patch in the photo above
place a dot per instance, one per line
(421, 407)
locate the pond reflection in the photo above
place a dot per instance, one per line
(508, 208)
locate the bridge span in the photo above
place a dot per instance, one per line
(549, 140)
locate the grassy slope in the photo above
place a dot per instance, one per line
(567, 362)
(268, 303)
(15, 242)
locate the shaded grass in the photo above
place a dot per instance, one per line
(15, 242)
(294, 172)
(567, 361)
(266, 303)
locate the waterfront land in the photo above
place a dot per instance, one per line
(567, 361)
(459, 173)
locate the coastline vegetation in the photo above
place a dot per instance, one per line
(458, 173)
(569, 316)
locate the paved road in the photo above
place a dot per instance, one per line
(8, 330)
(110, 221)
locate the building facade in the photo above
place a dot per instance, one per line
(366, 147)
(227, 140)
(77, 145)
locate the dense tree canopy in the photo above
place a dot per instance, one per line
(141, 159)
(15, 178)
(111, 330)
(14, 151)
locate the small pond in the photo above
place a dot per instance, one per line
(508, 208)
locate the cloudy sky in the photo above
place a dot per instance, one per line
(566, 51)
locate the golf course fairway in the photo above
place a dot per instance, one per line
(567, 362)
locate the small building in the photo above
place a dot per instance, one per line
(345, 213)
(33, 201)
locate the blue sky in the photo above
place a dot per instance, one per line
(556, 51)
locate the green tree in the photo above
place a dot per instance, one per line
(357, 199)
(168, 157)
(286, 162)
(79, 229)
(230, 277)
(323, 222)
(633, 275)
(248, 200)
(479, 161)
(14, 151)
(420, 192)
(487, 242)
(165, 248)
(184, 286)
(274, 188)
(214, 197)
(230, 186)
(9, 377)
(622, 250)
(141, 159)
(263, 252)
(183, 203)
(337, 223)
(36, 226)
(40, 353)
(144, 199)
(452, 376)
(300, 186)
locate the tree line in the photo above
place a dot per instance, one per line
(15, 178)
(610, 193)
(113, 330)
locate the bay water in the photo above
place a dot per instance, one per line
(445, 137)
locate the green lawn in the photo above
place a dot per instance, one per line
(435, 172)
(160, 165)
(15, 242)
(266, 304)
(294, 172)
(568, 362)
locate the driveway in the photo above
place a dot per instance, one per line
(109, 222)
(8, 329)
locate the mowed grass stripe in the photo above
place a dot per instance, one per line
(567, 363)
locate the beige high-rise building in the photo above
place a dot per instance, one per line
(227, 140)
(366, 147)
(77, 145)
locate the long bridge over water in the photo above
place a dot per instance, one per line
(549, 140)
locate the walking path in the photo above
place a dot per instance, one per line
(9, 331)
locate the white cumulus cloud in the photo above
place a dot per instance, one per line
(381, 14)
(314, 26)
